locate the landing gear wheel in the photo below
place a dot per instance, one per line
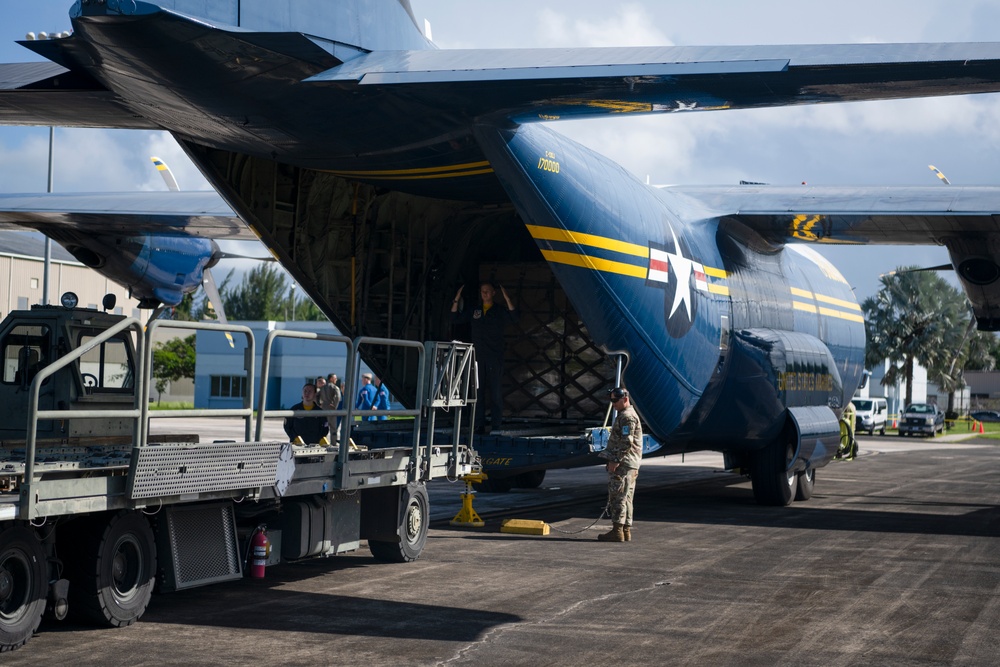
(773, 482)
(531, 479)
(23, 584)
(414, 517)
(112, 581)
(806, 484)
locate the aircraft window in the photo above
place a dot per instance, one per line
(108, 367)
(25, 352)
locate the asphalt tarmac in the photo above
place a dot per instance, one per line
(894, 561)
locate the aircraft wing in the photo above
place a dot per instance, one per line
(963, 219)
(48, 94)
(521, 84)
(878, 215)
(190, 213)
(547, 84)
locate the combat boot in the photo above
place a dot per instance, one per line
(613, 535)
(627, 533)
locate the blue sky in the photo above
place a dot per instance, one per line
(889, 143)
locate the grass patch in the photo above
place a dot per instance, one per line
(172, 405)
(991, 430)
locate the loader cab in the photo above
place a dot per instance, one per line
(104, 378)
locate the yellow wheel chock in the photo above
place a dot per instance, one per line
(467, 516)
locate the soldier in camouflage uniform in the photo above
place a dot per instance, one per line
(624, 454)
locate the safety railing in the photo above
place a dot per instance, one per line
(245, 412)
(28, 498)
(453, 385)
(354, 364)
(265, 375)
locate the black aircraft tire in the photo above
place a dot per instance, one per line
(414, 522)
(772, 483)
(112, 581)
(531, 479)
(23, 586)
(806, 484)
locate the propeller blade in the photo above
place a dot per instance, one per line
(941, 267)
(212, 292)
(168, 176)
(937, 172)
(233, 255)
(157, 312)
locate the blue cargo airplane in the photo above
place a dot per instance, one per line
(384, 172)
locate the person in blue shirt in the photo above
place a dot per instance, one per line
(366, 396)
(381, 398)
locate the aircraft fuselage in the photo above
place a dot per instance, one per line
(723, 332)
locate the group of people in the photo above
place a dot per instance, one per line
(488, 321)
(327, 393)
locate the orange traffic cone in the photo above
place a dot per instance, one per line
(981, 430)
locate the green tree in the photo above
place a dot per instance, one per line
(307, 311)
(915, 317)
(189, 309)
(262, 295)
(977, 351)
(173, 360)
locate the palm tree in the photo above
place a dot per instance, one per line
(976, 352)
(915, 317)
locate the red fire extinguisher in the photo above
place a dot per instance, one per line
(260, 549)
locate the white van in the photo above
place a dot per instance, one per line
(870, 414)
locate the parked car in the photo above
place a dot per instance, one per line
(921, 419)
(985, 415)
(870, 414)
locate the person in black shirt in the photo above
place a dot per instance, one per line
(310, 429)
(488, 322)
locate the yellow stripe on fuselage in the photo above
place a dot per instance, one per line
(841, 314)
(595, 263)
(540, 233)
(833, 301)
(544, 233)
(449, 171)
(828, 312)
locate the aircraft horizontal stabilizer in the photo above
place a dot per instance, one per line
(963, 219)
(877, 215)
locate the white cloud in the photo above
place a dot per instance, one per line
(630, 25)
